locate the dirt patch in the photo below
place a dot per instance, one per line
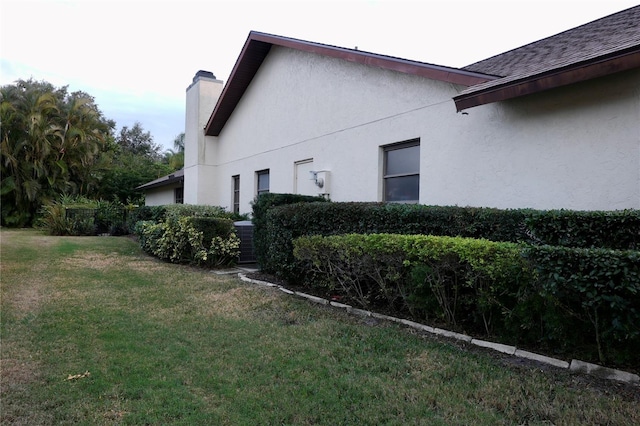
(234, 303)
(100, 262)
(15, 373)
(27, 299)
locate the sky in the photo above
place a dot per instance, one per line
(137, 57)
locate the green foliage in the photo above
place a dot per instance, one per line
(191, 234)
(77, 215)
(174, 211)
(470, 281)
(150, 213)
(284, 223)
(619, 230)
(264, 237)
(276, 224)
(583, 301)
(51, 142)
(212, 227)
(125, 172)
(137, 142)
(595, 293)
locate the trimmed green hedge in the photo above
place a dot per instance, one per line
(461, 282)
(280, 218)
(192, 234)
(264, 242)
(618, 230)
(568, 300)
(595, 294)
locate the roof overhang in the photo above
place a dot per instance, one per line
(258, 45)
(510, 87)
(172, 179)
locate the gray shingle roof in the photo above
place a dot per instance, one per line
(596, 39)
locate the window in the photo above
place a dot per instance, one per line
(263, 181)
(236, 193)
(178, 195)
(402, 172)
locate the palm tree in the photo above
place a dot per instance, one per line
(49, 141)
(175, 159)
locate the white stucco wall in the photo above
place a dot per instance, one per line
(202, 96)
(576, 148)
(160, 196)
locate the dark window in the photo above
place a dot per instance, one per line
(402, 172)
(263, 181)
(179, 195)
(236, 193)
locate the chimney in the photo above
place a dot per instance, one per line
(202, 95)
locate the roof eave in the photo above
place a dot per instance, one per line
(166, 182)
(599, 67)
(258, 45)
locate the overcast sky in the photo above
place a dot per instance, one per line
(137, 57)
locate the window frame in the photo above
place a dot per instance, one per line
(259, 173)
(411, 143)
(178, 195)
(235, 193)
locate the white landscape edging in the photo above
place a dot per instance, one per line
(575, 366)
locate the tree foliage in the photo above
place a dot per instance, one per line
(126, 172)
(51, 142)
(138, 142)
(175, 157)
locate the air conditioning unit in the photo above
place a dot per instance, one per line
(245, 233)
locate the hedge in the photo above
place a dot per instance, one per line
(276, 224)
(461, 282)
(192, 234)
(596, 293)
(619, 229)
(568, 300)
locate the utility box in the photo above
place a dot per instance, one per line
(323, 181)
(245, 233)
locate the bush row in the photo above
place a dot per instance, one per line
(279, 218)
(203, 241)
(78, 216)
(160, 213)
(517, 293)
(271, 247)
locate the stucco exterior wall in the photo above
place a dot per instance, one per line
(160, 196)
(202, 96)
(575, 148)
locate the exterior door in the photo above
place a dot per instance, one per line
(303, 184)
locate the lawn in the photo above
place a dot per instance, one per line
(93, 331)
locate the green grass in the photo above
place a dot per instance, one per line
(167, 344)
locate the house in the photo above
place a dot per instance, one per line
(552, 124)
(165, 190)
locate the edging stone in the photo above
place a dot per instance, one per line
(453, 335)
(576, 366)
(541, 358)
(509, 350)
(603, 372)
(315, 299)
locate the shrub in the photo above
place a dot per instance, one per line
(619, 230)
(204, 241)
(470, 281)
(152, 213)
(595, 292)
(53, 219)
(284, 223)
(263, 237)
